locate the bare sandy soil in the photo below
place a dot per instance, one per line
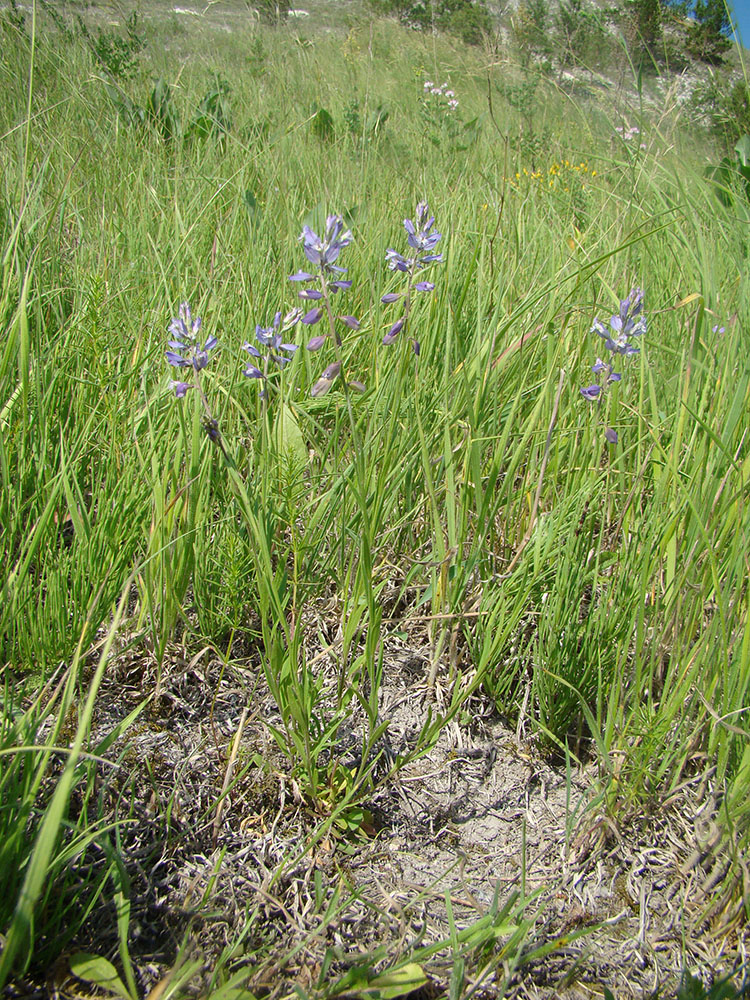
(481, 818)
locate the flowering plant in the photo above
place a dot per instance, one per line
(271, 339)
(320, 284)
(628, 323)
(422, 238)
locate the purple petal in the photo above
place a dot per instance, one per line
(176, 360)
(351, 321)
(394, 331)
(341, 284)
(251, 350)
(331, 371)
(252, 372)
(396, 261)
(301, 276)
(424, 286)
(591, 391)
(415, 347)
(611, 435)
(326, 380)
(180, 388)
(390, 297)
(178, 329)
(310, 293)
(321, 387)
(599, 327)
(312, 317)
(316, 343)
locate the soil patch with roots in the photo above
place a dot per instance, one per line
(479, 836)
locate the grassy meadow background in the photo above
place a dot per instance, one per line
(467, 502)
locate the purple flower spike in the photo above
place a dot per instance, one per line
(326, 380)
(611, 435)
(187, 350)
(324, 251)
(312, 317)
(425, 286)
(422, 240)
(351, 321)
(390, 297)
(394, 331)
(591, 391)
(316, 343)
(270, 338)
(418, 235)
(629, 322)
(183, 327)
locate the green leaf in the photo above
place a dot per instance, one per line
(721, 176)
(322, 125)
(396, 983)
(251, 203)
(97, 970)
(742, 149)
(289, 436)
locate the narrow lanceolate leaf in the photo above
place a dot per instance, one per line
(290, 438)
(396, 983)
(97, 971)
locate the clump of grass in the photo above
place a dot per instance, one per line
(598, 585)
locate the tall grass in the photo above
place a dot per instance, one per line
(602, 587)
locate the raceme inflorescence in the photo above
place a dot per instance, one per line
(624, 326)
(422, 238)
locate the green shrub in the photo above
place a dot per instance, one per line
(468, 19)
(724, 106)
(115, 53)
